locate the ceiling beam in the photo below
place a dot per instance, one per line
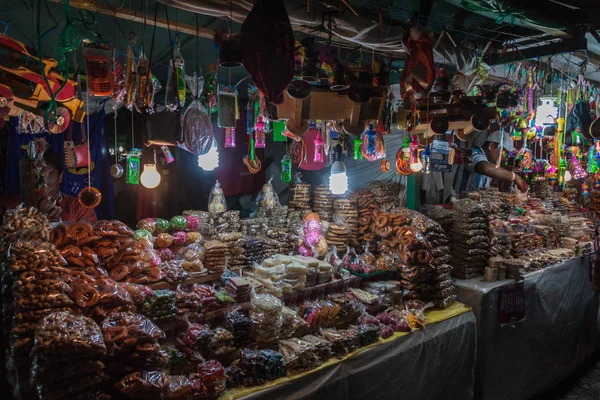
(565, 46)
(139, 17)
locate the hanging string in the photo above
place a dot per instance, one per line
(87, 112)
(116, 143)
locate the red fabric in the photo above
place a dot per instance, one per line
(232, 173)
(72, 211)
(268, 48)
(146, 204)
(420, 52)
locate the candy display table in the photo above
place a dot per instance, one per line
(559, 330)
(428, 363)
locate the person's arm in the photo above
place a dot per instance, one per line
(489, 169)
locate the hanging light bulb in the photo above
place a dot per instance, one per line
(415, 161)
(338, 180)
(210, 160)
(150, 177)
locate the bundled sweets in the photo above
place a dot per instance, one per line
(256, 367)
(67, 356)
(215, 256)
(323, 202)
(299, 193)
(470, 239)
(298, 355)
(239, 326)
(386, 193)
(235, 243)
(265, 313)
(347, 210)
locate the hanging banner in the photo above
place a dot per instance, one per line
(440, 147)
(440, 165)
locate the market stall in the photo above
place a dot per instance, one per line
(400, 360)
(555, 328)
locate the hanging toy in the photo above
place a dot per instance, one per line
(167, 154)
(196, 125)
(250, 160)
(592, 166)
(175, 91)
(319, 143)
(227, 106)
(229, 138)
(134, 166)
(259, 133)
(116, 170)
(358, 143)
(286, 169)
(144, 87)
(97, 68)
(297, 152)
(426, 156)
(130, 79)
(577, 171)
(385, 165)
(373, 145)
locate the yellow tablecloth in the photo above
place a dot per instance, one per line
(433, 316)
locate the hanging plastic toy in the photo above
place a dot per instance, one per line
(227, 106)
(319, 148)
(426, 156)
(229, 138)
(97, 67)
(577, 171)
(286, 169)
(144, 86)
(175, 91)
(134, 166)
(358, 143)
(259, 132)
(197, 128)
(372, 146)
(415, 161)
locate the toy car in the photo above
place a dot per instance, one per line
(22, 87)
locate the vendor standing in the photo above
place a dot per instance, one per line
(487, 148)
(69, 209)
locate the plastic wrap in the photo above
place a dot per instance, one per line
(239, 325)
(180, 387)
(65, 336)
(265, 313)
(105, 292)
(267, 196)
(126, 331)
(291, 323)
(143, 385)
(196, 124)
(139, 293)
(173, 271)
(42, 372)
(196, 297)
(161, 306)
(22, 218)
(216, 199)
(323, 348)
(298, 355)
(213, 377)
(112, 228)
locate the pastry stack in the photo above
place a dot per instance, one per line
(442, 216)
(235, 244)
(366, 220)
(338, 234)
(239, 289)
(253, 250)
(299, 196)
(347, 209)
(228, 221)
(323, 202)
(215, 256)
(470, 239)
(386, 193)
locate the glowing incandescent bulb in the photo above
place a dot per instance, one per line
(150, 177)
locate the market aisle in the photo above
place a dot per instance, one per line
(583, 385)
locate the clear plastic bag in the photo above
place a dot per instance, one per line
(112, 228)
(196, 124)
(66, 336)
(265, 312)
(216, 199)
(179, 387)
(162, 306)
(299, 355)
(291, 323)
(144, 385)
(212, 375)
(127, 330)
(267, 196)
(173, 271)
(104, 292)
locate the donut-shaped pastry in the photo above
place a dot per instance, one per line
(87, 297)
(423, 257)
(115, 334)
(382, 220)
(120, 272)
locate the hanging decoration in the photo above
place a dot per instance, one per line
(230, 138)
(286, 169)
(197, 127)
(426, 157)
(259, 133)
(134, 166)
(116, 170)
(415, 160)
(385, 165)
(227, 106)
(297, 152)
(88, 197)
(250, 160)
(373, 147)
(175, 90)
(97, 68)
(358, 144)
(577, 171)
